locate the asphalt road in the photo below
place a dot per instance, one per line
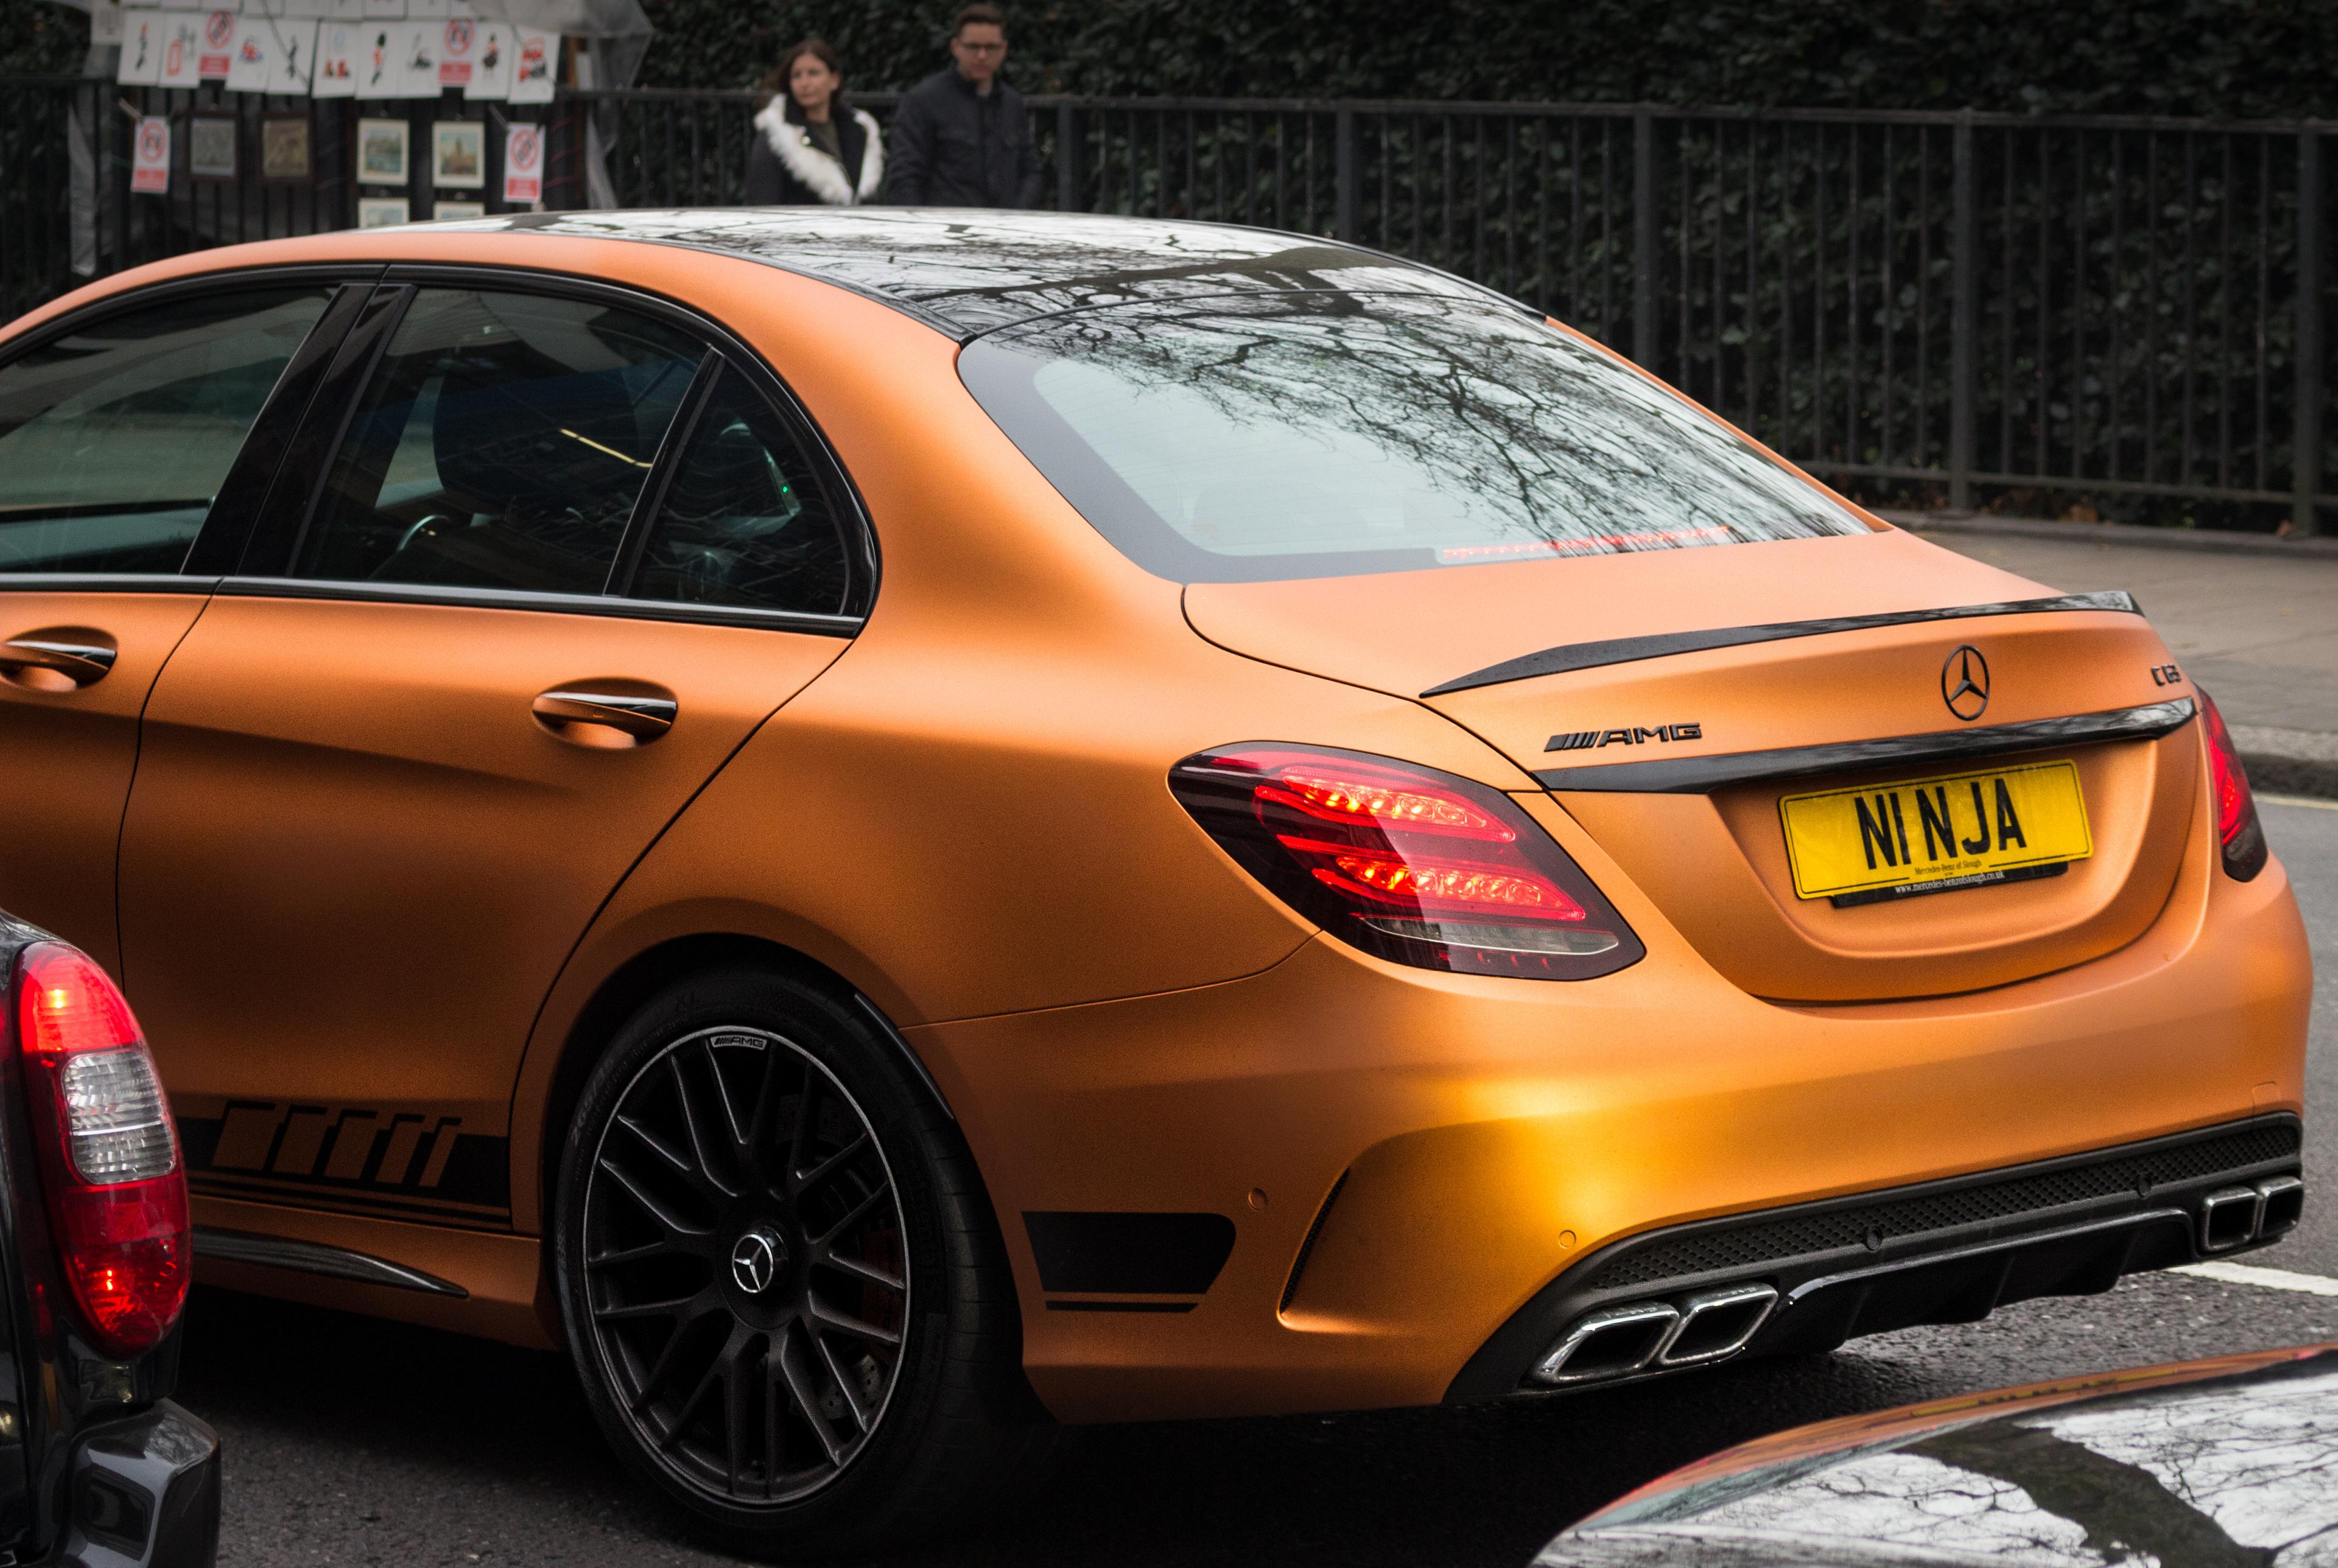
(354, 1442)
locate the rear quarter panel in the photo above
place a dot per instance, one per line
(968, 814)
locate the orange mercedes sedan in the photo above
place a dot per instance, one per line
(901, 828)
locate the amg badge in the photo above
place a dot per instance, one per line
(1590, 740)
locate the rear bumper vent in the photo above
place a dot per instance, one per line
(1809, 1277)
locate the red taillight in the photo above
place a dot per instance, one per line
(109, 1152)
(2237, 829)
(1405, 862)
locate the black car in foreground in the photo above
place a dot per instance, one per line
(2228, 1462)
(97, 1466)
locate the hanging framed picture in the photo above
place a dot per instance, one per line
(459, 154)
(382, 148)
(381, 211)
(211, 141)
(284, 149)
(441, 210)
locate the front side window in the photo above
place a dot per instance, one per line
(501, 443)
(1323, 434)
(114, 438)
(744, 523)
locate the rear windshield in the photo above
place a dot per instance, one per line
(1320, 435)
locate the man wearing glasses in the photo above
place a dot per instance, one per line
(962, 138)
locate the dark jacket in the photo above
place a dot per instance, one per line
(786, 168)
(955, 147)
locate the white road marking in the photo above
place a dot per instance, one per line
(2299, 800)
(2263, 1279)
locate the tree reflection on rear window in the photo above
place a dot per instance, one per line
(1323, 434)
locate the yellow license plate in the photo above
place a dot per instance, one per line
(1969, 830)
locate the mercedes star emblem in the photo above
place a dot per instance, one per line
(754, 1260)
(1964, 683)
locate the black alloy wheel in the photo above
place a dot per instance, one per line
(744, 1272)
(782, 1284)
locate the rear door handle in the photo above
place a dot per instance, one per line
(598, 716)
(57, 660)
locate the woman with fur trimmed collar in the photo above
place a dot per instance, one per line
(811, 147)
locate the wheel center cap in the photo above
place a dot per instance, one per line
(755, 1259)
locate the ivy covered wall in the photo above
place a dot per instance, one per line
(2219, 58)
(2246, 58)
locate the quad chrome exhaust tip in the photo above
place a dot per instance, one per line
(2231, 1217)
(1610, 1343)
(1717, 1323)
(1713, 1325)
(1617, 1341)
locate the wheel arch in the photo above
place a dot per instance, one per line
(621, 990)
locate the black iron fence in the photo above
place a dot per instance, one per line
(1951, 304)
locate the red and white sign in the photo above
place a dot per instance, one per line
(150, 156)
(455, 54)
(218, 51)
(524, 163)
(539, 58)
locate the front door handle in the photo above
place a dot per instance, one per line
(606, 715)
(58, 658)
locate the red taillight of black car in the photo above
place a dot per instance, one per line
(2237, 828)
(109, 1153)
(1405, 862)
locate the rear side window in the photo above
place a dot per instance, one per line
(501, 443)
(114, 438)
(744, 523)
(1320, 434)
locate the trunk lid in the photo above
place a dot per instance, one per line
(1671, 700)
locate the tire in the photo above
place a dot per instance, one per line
(871, 1389)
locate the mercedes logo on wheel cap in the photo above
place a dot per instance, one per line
(1964, 683)
(755, 1260)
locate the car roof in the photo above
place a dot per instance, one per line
(968, 271)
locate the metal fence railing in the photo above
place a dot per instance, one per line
(1943, 302)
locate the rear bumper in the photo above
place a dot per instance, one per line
(1485, 1137)
(1807, 1277)
(143, 1492)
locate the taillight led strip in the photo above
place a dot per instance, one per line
(1405, 862)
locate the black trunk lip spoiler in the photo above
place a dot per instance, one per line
(1571, 656)
(1702, 775)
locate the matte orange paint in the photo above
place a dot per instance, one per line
(962, 813)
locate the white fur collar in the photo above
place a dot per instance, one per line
(822, 175)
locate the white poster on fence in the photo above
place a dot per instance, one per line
(491, 75)
(524, 163)
(536, 57)
(218, 51)
(272, 56)
(252, 61)
(251, 51)
(150, 156)
(338, 44)
(142, 48)
(105, 22)
(183, 45)
(459, 52)
(419, 54)
(379, 71)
